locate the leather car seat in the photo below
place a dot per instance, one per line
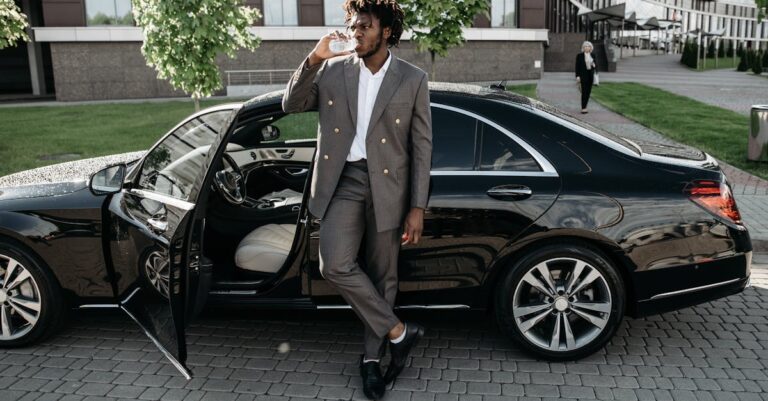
(265, 249)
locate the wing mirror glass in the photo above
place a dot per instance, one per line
(108, 180)
(270, 133)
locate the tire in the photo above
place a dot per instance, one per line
(31, 286)
(592, 306)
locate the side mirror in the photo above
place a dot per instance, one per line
(270, 133)
(108, 180)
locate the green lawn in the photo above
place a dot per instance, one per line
(719, 132)
(34, 136)
(727, 62)
(525, 90)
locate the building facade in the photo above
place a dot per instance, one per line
(92, 48)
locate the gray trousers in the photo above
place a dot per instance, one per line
(371, 291)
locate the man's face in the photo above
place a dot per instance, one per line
(366, 29)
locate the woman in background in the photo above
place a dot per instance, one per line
(585, 73)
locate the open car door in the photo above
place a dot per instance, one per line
(155, 231)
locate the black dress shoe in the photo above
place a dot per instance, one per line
(399, 352)
(373, 383)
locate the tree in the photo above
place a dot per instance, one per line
(762, 5)
(13, 24)
(729, 52)
(711, 49)
(743, 62)
(765, 58)
(757, 63)
(183, 38)
(436, 24)
(721, 50)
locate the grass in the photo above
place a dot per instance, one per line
(719, 132)
(727, 62)
(525, 90)
(31, 135)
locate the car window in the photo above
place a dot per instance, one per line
(453, 140)
(585, 125)
(172, 166)
(297, 126)
(499, 152)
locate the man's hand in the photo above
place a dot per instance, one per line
(322, 50)
(414, 225)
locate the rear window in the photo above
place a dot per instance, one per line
(597, 130)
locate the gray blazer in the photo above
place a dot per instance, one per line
(399, 139)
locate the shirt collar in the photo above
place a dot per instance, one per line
(383, 68)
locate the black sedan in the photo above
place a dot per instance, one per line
(557, 229)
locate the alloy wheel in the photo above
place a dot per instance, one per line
(562, 304)
(157, 270)
(20, 301)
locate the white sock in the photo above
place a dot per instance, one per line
(402, 336)
(366, 360)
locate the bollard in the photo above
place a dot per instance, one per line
(757, 145)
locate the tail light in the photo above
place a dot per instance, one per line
(716, 197)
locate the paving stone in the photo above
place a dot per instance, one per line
(484, 388)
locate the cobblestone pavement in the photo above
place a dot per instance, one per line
(714, 351)
(559, 90)
(726, 88)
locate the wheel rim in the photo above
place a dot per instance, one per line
(562, 304)
(20, 303)
(156, 268)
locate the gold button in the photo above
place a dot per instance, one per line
(397, 121)
(386, 171)
(330, 103)
(383, 140)
(325, 157)
(336, 130)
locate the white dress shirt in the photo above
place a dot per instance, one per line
(367, 90)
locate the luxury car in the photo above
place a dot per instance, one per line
(556, 228)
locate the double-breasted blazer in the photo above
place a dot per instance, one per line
(398, 142)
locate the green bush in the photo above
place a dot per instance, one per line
(690, 52)
(743, 62)
(711, 49)
(721, 50)
(765, 58)
(757, 63)
(729, 52)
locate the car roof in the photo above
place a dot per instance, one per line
(449, 88)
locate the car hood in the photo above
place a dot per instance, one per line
(58, 179)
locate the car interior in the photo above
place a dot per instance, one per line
(248, 237)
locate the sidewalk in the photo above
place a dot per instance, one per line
(559, 90)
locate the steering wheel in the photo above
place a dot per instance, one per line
(229, 181)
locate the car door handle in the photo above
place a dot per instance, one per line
(296, 171)
(158, 224)
(510, 192)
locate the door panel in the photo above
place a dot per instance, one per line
(148, 261)
(156, 237)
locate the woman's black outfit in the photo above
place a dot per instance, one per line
(587, 77)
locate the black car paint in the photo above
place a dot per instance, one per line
(633, 210)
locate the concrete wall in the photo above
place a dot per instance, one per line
(560, 56)
(117, 70)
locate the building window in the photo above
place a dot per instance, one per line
(281, 12)
(334, 13)
(503, 13)
(108, 12)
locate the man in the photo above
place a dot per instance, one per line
(371, 172)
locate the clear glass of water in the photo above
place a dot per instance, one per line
(344, 43)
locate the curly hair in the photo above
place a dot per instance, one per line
(388, 12)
